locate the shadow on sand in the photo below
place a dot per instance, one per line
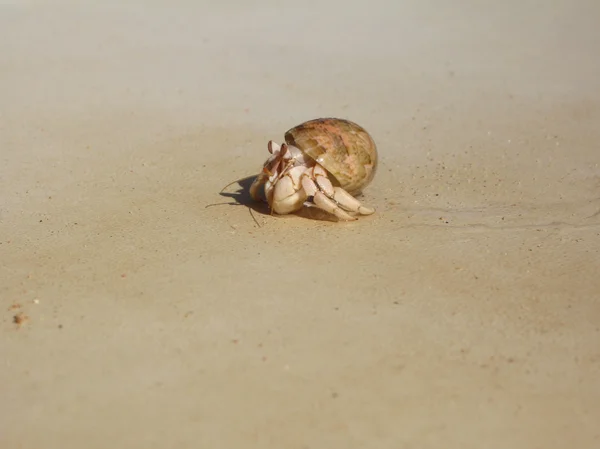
(242, 196)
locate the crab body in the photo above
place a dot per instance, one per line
(323, 163)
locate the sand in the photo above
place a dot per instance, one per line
(464, 314)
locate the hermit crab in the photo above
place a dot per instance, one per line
(323, 163)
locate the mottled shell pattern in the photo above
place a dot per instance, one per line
(343, 148)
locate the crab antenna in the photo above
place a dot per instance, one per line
(237, 180)
(230, 184)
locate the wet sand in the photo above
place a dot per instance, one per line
(463, 314)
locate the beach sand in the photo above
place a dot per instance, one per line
(465, 313)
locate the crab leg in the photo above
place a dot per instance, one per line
(331, 199)
(350, 203)
(323, 202)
